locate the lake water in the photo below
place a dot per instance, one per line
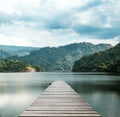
(18, 90)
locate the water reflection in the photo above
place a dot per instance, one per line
(103, 95)
(14, 102)
(9, 103)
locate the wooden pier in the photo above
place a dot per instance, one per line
(59, 100)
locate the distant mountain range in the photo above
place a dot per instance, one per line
(61, 58)
(6, 51)
(106, 61)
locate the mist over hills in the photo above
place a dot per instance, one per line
(7, 51)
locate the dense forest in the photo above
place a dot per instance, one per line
(18, 66)
(106, 61)
(61, 58)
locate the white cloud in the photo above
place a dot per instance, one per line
(52, 22)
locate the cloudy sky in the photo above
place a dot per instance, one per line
(59, 22)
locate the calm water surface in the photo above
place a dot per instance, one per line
(18, 90)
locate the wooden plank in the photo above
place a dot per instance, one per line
(60, 96)
(59, 100)
(37, 108)
(28, 114)
(59, 93)
(63, 112)
(60, 104)
(48, 106)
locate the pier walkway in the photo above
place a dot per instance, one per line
(59, 100)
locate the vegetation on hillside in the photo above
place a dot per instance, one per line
(61, 58)
(4, 54)
(106, 61)
(6, 51)
(18, 66)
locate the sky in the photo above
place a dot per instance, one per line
(59, 22)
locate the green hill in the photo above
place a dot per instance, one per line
(106, 61)
(13, 66)
(18, 66)
(61, 58)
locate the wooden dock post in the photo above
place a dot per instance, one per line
(59, 100)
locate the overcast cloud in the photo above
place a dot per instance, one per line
(59, 22)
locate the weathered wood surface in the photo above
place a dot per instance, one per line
(59, 100)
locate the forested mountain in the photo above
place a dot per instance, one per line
(61, 58)
(106, 61)
(15, 50)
